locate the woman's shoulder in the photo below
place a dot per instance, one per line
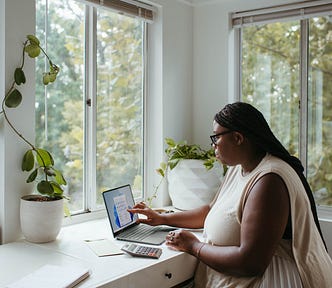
(275, 164)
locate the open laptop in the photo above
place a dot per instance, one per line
(124, 224)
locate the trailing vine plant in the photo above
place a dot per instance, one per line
(39, 162)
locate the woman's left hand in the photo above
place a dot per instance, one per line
(182, 240)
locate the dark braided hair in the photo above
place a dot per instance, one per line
(246, 119)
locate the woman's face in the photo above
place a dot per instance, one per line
(223, 145)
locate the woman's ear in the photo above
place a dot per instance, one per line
(239, 138)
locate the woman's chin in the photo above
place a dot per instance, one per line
(220, 159)
(218, 156)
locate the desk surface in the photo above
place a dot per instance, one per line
(21, 258)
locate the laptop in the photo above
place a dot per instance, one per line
(124, 224)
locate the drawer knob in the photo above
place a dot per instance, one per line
(168, 275)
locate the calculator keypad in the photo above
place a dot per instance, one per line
(143, 251)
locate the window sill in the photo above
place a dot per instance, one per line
(324, 213)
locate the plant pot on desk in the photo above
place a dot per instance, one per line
(191, 185)
(40, 220)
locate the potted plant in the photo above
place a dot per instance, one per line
(37, 161)
(193, 174)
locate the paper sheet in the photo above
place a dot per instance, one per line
(104, 247)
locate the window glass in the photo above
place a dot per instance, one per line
(320, 109)
(270, 80)
(119, 102)
(59, 106)
(270, 77)
(64, 121)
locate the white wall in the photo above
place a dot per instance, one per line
(170, 82)
(17, 20)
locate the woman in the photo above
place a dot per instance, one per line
(262, 228)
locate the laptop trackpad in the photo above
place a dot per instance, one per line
(156, 238)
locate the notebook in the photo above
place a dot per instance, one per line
(53, 276)
(124, 224)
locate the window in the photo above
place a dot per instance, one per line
(91, 118)
(286, 64)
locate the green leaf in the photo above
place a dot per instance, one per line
(52, 77)
(46, 78)
(19, 76)
(44, 158)
(59, 178)
(163, 165)
(32, 50)
(208, 164)
(45, 187)
(173, 163)
(14, 99)
(28, 161)
(170, 142)
(49, 77)
(33, 39)
(32, 177)
(57, 188)
(160, 172)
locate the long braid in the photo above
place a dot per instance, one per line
(244, 118)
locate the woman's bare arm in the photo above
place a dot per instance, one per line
(186, 219)
(263, 223)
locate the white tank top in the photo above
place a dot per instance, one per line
(223, 224)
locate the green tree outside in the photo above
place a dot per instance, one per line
(271, 81)
(61, 109)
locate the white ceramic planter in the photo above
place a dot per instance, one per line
(190, 185)
(41, 220)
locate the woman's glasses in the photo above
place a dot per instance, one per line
(214, 138)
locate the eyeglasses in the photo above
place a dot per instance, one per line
(214, 138)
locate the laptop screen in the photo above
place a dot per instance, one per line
(117, 201)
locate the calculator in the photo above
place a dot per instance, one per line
(142, 251)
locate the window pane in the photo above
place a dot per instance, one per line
(320, 109)
(119, 102)
(270, 77)
(59, 109)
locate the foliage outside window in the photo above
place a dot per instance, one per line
(271, 81)
(93, 121)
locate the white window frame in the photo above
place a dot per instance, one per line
(90, 209)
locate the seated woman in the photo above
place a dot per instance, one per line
(262, 229)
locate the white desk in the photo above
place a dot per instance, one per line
(121, 271)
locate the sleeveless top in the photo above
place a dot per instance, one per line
(299, 262)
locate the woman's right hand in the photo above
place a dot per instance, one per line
(152, 217)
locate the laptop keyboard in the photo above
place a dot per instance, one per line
(139, 232)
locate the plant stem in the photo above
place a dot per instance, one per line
(3, 104)
(23, 53)
(3, 111)
(48, 58)
(154, 195)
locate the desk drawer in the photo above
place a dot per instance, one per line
(165, 274)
